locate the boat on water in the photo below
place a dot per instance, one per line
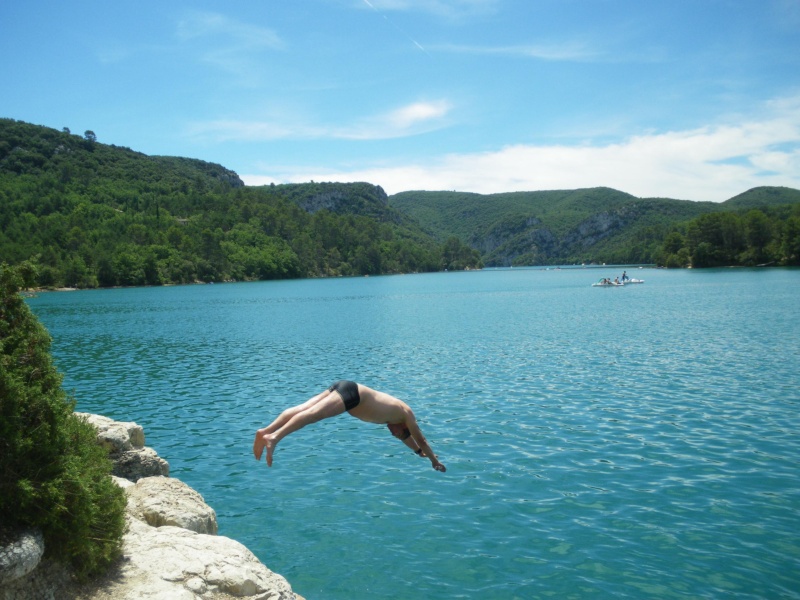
(605, 282)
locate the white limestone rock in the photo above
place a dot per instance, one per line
(138, 463)
(122, 482)
(115, 436)
(124, 442)
(176, 564)
(161, 501)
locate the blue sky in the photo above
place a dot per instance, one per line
(692, 99)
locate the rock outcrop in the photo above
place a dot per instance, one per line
(174, 563)
(20, 553)
(161, 501)
(124, 442)
(170, 550)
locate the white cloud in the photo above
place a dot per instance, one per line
(709, 163)
(408, 117)
(413, 119)
(226, 43)
(777, 162)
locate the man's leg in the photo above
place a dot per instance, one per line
(258, 444)
(290, 412)
(320, 407)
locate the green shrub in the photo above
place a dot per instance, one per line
(53, 474)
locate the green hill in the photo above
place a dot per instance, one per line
(90, 214)
(566, 226)
(761, 197)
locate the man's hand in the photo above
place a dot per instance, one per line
(439, 466)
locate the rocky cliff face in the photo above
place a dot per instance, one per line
(511, 238)
(170, 551)
(594, 229)
(544, 227)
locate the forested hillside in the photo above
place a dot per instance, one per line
(602, 225)
(765, 236)
(89, 214)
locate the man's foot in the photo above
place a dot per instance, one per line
(258, 444)
(269, 444)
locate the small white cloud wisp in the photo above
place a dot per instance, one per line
(409, 120)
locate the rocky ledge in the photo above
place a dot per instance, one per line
(171, 550)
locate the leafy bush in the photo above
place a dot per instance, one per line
(53, 474)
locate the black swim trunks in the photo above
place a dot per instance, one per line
(348, 390)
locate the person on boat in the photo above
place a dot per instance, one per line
(624, 276)
(616, 281)
(359, 401)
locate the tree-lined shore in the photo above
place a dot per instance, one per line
(87, 214)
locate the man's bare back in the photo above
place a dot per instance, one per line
(379, 407)
(361, 402)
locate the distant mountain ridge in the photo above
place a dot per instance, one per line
(565, 226)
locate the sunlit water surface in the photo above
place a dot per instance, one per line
(636, 442)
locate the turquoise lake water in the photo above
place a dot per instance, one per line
(636, 442)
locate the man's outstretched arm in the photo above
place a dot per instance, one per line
(422, 443)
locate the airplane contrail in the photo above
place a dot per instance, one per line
(385, 18)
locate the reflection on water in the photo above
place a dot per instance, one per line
(624, 442)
